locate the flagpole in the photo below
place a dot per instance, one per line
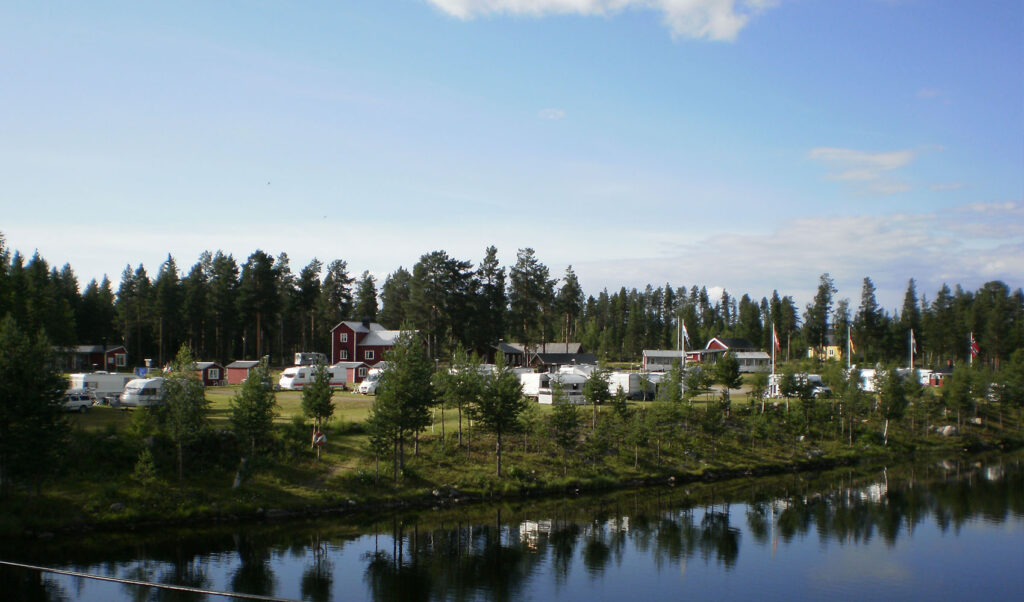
(848, 339)
(970, 350)
(911, 349)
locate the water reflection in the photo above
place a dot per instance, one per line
(538, 550)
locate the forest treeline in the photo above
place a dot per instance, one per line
(226, 308)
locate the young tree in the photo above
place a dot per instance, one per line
(501, 404)
(670, 388)
(892, 399)
(564, 421)
(818, 312)
(32, 427)
(404, 395)
(253, 408)
(316, 400)
(596, 392)
(727, 373)
(956, 391)
(461, 386)
(184, 413)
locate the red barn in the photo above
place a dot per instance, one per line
(364, 342)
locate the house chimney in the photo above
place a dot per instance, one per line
(366, 322)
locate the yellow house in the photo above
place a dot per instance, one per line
(832, 350)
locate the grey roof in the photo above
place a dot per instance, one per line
(89, 348)
(566, 358)
(381, 337)
(205, 365)
(546, 347)
(243, 364)
(664, 352)
(751, 355)
(347, 365)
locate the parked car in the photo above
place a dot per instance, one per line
(78, 400)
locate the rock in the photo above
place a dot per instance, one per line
(436, 493)
(351, 502)
(815, 453)
(948, 431)
(117, 507)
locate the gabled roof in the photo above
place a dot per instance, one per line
(243, 364)
(205, 365)
(89, 348)
(347, 365)
(733, 343)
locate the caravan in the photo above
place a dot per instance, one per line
(296, 378)
(142, 392)
(104, 386)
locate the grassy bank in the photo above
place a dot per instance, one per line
(99, 483)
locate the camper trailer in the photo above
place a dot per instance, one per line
(309, 358)
(818, 387)
(634, 385)
(369, 384)
(296, 378)
(142, 392)
(104, 386)
(572, 387)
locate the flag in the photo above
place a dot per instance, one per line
(852, 348)
(775, 339)
(686, 335)
(913, 343)
(975, 350)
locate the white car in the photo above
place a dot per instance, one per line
(78, 400)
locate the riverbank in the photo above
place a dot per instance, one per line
(441, 474)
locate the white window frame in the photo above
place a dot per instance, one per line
(343, 337)
(213, 373)
(361, 372)
(343, 354)
(120, 360)
(368, 354)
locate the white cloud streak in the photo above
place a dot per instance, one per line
(868, 170)
(719, 20)
(553, 114)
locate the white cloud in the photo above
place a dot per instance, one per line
(719, 20)
(950, 186)
(553, 114)
(870, 169)
(968, 245)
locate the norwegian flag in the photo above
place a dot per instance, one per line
(686, 335)
(975, 350)
(850, 338)
(913, 343)
(775, 339)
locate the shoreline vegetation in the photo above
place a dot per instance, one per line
(117, 472)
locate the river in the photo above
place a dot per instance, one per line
(935, 530)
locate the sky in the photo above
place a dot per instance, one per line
(750, 145)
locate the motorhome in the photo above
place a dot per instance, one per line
(104, 386)
(141, 392)
(572, 387)
(309, 358)
(296, 378)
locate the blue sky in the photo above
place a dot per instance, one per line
(750, 145)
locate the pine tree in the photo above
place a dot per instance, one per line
(254, 407)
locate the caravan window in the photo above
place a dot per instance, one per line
(214, 373)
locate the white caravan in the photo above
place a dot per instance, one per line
(296, 378)
(369, 384)
(104, 386)
(141, 392)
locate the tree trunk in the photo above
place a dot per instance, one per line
(885, 433)
(460, 424)
(498, 450)
(181, 471)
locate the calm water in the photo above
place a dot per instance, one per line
(935, 531)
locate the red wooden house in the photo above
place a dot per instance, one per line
(364, 342)
(211, 373)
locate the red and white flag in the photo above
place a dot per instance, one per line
(686, 335)
(975, 350)
(852, 348)
(775, 339)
